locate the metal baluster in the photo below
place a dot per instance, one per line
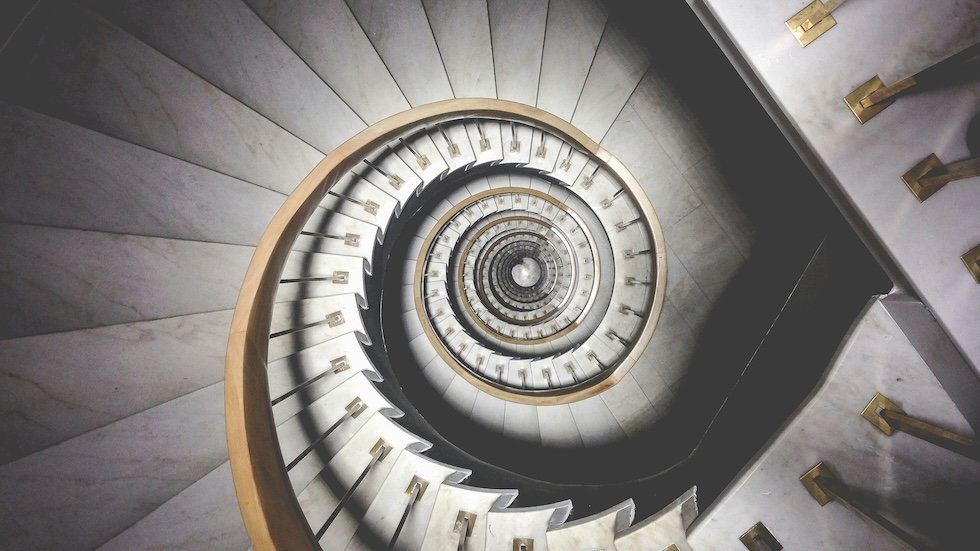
(463, 527)
(354, 409)
(888, 417)
(415, 490)
(378, 453)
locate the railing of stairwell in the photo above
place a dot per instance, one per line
(270, 509)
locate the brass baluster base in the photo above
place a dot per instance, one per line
(872, 412)
(759, 533)
(972, 260)
(810, 23)
(853, 100)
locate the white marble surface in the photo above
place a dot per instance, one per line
(557, 427)
(597, 531)
(103, 78)
(517, 30)
(205, 516)
(61, 280)
(61, 385)
(328, 38)
(663, 529)
(228, 45)
(866, 161)
(60, 174)
(571, 38)
(620, 62)
(453, 498)
(401, 34)
(90, 488)
(596, 424)
(462, 32)
(900, 475)
(524, 522)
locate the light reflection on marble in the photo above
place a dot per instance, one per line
(462, 32)
(327, 36)
(61, 280)
(401, 34)
(866, 161)
(619, 64)
(901, 475)
(103, 78)
(116, 186)
(64, 384)
(228, 45)
(571, 38)
(88, 489)
(204, 516)
(517, 31)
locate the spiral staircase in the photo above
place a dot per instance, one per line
(510, 282)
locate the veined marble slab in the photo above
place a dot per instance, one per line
(620, 62)
(92, 73)
(64, 384)
(87, 490)
(228, 45)
(60, 174)
(900, 475)
(328, 38)
(204, 516)
(62, 280)
(462, 32)
(517, 30)
(571, 38)
(401, 34)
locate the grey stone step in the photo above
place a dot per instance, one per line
(517, 29)
(571, 38)
(525, 523)
(597, 531)
(663, 529)
(462, 33)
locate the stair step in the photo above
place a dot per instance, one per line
(92, 73)
(462, 32)
(667, 527)
(225, 43)
(162, 196)
(204, 516)
(525, 523)
(517, 29)
(305, 323)
(311, 275)
(126, 369)
(442, 532)
(597, 531)
(113, 476)
(347, 236)
(64, 280)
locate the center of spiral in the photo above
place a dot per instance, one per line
(526, 273)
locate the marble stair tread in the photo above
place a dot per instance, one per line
(461, 395)
(875, 356)
(521, 422)
(517, 29)
(228, 45)
(597, 531)
(300, 378)
(161, 195)
(320, 498)
(401, 34)
(386, 510)
(462, 33)
(596, 424)
(204, 516)
(126, 369)
(341, 275)
(557, 427)
(573, 33)
(303, 451)
(92, 73)
(663, 529)
(485, 140)
(443, 531)
(63, 280)
(361, 199)
(526, 523)
(304, 323)
(453, 145)
(620, 62)
(90, 488)
(348, 236)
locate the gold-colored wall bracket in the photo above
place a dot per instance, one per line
(853, 100)
(872, 412)
(887, 416)
(819, 493)
(930, 175)
(811, 22)
(972, 260)
(759, 533)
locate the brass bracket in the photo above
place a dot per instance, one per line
(671, 547)
(422, 484)
(523, 544)
(819, 493)
(381, 445)
(465, 518)
(335, 319)
(759, 533)
(931, 174)
(972, 260)
(913, 178)
(354, 410)
(853, 100)
(811, 22)
(339, 364)
(872, 412)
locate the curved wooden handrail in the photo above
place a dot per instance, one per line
(270, 509)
